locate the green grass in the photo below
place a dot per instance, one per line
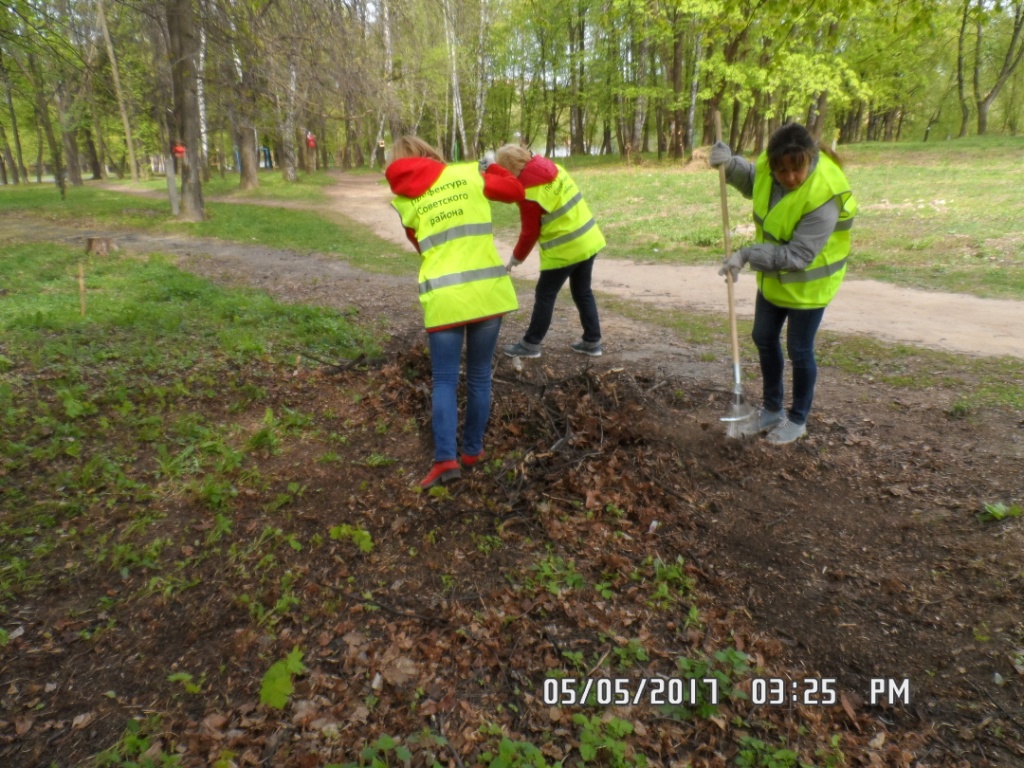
(135, 400)
(307, 231)
(308, 187)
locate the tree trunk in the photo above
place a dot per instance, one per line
(577, 73)
(965, 110)
(8, 157)
(288, 155)
(42, 112)
(19, 156)
(129, 142)
(480, 101)
(677, 141)
(184, 50)
(95, 162)
(691, 117)
(458, 136)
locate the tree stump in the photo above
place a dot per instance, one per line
(100, 246)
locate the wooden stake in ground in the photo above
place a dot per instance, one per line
(81, 288)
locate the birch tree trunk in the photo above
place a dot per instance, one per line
(691, 117)
(451, 37)
(480, 102)
(961, 81)
(288, 155)
(118, 92)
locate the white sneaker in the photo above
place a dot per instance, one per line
(786, 432)
(765, 422)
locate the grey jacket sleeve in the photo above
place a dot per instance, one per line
(808, 240)
(739, 173)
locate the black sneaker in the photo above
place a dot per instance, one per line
(592, 348)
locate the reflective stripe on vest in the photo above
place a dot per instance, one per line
(568, 231)
(461, 278)
(466, 230)
(547, 218)
(806, 275)
(568, 237)
(458, 278)
(816, 285)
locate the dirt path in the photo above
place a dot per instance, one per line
(943, 321)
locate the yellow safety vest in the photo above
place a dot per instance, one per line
(568, 232)
(461, 276)
(816, 285)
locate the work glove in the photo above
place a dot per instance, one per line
(734, 264)
(720, 154)
(485, 161)
(760, 256)
(512, 262)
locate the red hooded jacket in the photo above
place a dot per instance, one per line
(537, 172)
(412, 176)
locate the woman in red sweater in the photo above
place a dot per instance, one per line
(555, 215)
(463, 286)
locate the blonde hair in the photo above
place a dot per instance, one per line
(513, 158)
(413, 146)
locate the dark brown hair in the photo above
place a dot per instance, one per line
(795, 141)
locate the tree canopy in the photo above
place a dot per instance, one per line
(115, 86)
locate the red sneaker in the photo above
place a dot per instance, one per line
(442, 472)
(471, 461)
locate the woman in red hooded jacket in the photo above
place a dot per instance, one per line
(555, 216)
(463, 286)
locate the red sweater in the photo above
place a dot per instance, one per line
(538, 171)
(412, 176)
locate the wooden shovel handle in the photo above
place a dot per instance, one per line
(724, 194)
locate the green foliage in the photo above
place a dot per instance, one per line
(387, 752)
(277, 684)
(754, 753)
(133, 748)
(631, 654)
(999, 511)
(186, 680)
(603, 741)
(356, 534)
(556, 575)
(516, 754)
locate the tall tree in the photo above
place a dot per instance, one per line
(184, 49)
(119, 92)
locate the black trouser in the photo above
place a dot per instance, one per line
(548, 286)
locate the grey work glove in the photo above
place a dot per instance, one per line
(720, 154)
(733, 265)
(486, 160)
(512, 262)
(760, 256)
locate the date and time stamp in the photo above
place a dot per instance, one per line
(686, 692)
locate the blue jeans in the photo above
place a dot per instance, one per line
(445, 357)
(800, 332)
(548, 286)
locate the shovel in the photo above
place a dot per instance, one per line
(740, 411)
